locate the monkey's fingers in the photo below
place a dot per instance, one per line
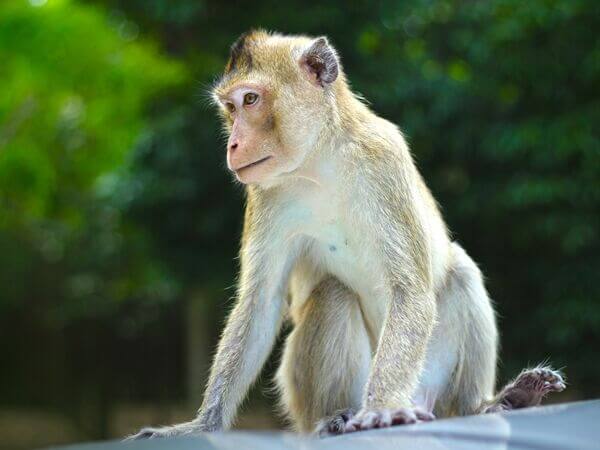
(145, 433)
(182, 429)
(404, 416)
(367, 420)
(424, 415)
(384, 418)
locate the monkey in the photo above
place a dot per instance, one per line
(392, 323)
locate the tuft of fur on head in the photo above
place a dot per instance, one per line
(270, 54)
(240, 55)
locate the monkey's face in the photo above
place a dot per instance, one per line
(274, 103)
(255, 152)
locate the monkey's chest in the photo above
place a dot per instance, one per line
(348, 254)
(338, 242)
(344, 249)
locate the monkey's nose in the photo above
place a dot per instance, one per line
(233, 146)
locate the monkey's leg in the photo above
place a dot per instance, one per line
(528, 389)
(464, 308)
(460, 366)
(326, 360)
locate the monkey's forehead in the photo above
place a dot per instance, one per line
(258, 55)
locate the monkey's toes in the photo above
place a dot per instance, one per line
(335, 424)
(528, 389)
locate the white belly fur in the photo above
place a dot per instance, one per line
(440, 363)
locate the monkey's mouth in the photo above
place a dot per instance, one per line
(253, 164)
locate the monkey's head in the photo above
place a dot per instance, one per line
(275, 97)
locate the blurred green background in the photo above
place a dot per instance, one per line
(119, 223)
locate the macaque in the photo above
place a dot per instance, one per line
(392, 323)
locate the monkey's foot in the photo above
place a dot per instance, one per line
(383, 418)
(335, 424)
(528, 389)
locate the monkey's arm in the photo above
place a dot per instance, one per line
(399, 358)
(251, 329)
(245, 345)
(249, 334)
(401, 350)
(411, 307)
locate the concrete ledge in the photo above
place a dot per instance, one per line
(557, 427)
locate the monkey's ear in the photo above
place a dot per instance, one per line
(321, 62)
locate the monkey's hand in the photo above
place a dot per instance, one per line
(367, 419)
(182, 429)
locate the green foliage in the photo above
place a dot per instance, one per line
(74, 91)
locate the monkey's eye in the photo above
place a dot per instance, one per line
(250, 98)
(230, 107)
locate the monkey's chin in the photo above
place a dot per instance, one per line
(250, 175)
(254, 173)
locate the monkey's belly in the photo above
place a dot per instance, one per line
(440, 362)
